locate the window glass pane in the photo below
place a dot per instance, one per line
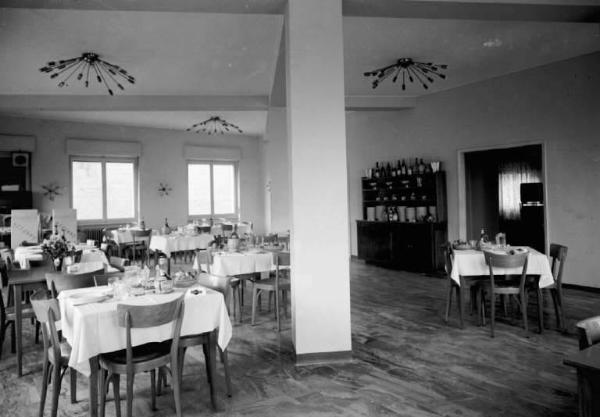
(120, 193)
(224, 188)
(87, 190)
(199, 189)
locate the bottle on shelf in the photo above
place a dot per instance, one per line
(376, 172)
(394, 214)
(394, 171)
(421, 167)
(409, 169)
(403, 168)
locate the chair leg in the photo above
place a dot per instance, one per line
(103, 387)
(130, 380)
(255, 292)
(55, 389)
(44, 391)
(562, 325)
(460, 306)
(524, 311)
(153, 389)
(448, 301)
(492, 312)
(13, 338)
(540, 300)
(277, 310)
(284, 300)
(176, 376)
(225, 361)
(116, 380)
(3, 328)
(37, 332)
(73, 378)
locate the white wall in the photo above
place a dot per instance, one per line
(276, 172)
(162, 160)
(557, 104)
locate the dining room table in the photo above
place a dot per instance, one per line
(469, 263)
(178, 242)
(89, 324)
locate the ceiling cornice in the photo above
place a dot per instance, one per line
(587, 11)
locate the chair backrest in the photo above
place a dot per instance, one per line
(588, 331)
(57, 281)
(141, 236)
(47, 312)
(119, 263)
(102, 279)
(204, 257)
(282, 259)
(558, 253)
(447, 248)
(497, 260)
(217, 283)
(144, 316)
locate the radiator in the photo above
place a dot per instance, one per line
(92, 234)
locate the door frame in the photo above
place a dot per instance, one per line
(462, 184)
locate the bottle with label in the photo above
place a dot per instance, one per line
(376, 172)
(394, 214)
(166, 229)
(421, 167)
(409, 169)
(403, 168)
(483, 238)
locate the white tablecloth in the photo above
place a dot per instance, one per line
(124, 236)
(24, 254)
(237, 263)
(92, 329)
(472, 262)
(168, 244)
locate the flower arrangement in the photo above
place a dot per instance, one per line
(57, 247)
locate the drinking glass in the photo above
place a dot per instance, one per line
(111, 281)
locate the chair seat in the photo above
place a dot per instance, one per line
(193, 340)
(269, 283)
(142, 353)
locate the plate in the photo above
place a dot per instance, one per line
(86, 298)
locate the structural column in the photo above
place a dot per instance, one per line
(318, 180)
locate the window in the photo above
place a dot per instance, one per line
(212, 188)
(104, 190)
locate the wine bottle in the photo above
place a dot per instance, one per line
(376, 172)
(388, 170)
(409, 169)
(403, 168)
(394, 171)
(421, 167)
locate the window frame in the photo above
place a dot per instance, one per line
(103, 160)
(236, 188)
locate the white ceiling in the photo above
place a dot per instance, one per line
(199, 55)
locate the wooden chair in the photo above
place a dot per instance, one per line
(56, 354)
(57, 281)
(108, 245)
(102, 279)
(558, 253)
(204, 259)
(274, 285)
(144, 358)
(588, 331)
(140, 243)
(222, 285)
(7, 311)
(517, 289)
(118, 263)
(471, 282)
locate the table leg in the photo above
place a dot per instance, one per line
(18, 328)
(93, 387)
(211, 368)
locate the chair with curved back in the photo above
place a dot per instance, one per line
(143, 358)
(588, 331)
(222, 285)
(58, 281)
(56, 354)
(472, 282)
(558, 254)
(102, 279)
(279, 286)
(498, 286)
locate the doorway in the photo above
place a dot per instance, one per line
(504, 193)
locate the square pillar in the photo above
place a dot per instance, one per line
(318, 180)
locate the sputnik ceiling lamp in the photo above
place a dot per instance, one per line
(85, 66)
(214, 125)
(423, 72)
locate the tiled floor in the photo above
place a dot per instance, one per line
(407, 362)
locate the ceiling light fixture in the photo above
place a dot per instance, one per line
(88, 65)
(408, 68)
(214, 125)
